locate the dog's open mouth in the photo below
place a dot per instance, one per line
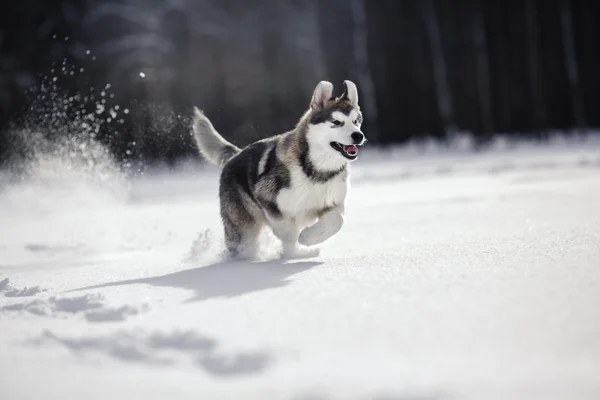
(350, 152)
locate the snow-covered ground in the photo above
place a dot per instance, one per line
(457, 276)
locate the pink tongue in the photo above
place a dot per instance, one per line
(351, 149)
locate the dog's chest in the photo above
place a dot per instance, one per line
(305, 197)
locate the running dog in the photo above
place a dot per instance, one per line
(296, 182)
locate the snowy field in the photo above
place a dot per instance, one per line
(457, 276)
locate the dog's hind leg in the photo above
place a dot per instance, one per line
(242, 229)
(242, 239)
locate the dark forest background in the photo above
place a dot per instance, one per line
(424, 68)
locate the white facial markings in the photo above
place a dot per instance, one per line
(340, 116)
(330, 136)
(319, 139)
(350, 119)
(353, 115)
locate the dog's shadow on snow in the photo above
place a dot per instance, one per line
(223, 279)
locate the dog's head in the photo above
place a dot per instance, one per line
(334, 124)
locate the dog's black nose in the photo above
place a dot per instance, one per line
(357, 137)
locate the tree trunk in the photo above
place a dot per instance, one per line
(566, 19)
(483, 72)
(537, 95)
(444, 98)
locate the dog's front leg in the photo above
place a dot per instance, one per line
(328, 225)
(287, 231)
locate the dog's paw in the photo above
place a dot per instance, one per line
(326, 227)
(310, 237)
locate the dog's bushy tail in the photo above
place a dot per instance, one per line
(210, 143)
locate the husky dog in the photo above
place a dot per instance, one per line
(295, 182)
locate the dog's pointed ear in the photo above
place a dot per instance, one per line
(350, 93)
(321, 95)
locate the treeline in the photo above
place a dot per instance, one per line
(424, 68)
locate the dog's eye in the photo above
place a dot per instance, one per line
(336, 122)
(355, 122)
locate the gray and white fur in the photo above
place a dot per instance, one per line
(296, 182)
